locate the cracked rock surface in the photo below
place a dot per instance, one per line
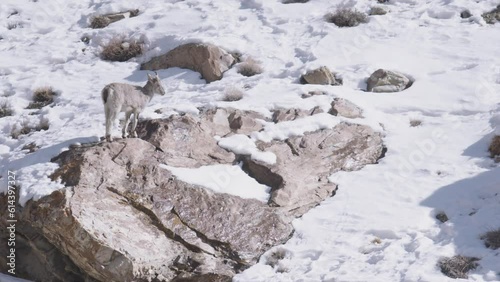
(123, 217)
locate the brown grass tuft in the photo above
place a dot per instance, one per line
(492, 239)
(232, 94)
(415, 122)
(27, 128)
(121, 50)
(42, 97)
(494, 148)
(6, 109)
(250, 68)
(346, 18)
(457, 266)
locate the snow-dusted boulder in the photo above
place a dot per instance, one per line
(207, 59)
(387, 81)
(299, 178)
(125, 215)
(321, 76)
(124, 218)
(345, 108)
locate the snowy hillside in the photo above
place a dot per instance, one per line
(381, 225)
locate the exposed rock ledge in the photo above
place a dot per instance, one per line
(123, 218)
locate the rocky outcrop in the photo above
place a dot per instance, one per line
(321, 76)
(103, 21)
(280, 115)
(207, 59)
(492, 16)
(299, 179)
(345, 108)
(123, 216)
(388, 81)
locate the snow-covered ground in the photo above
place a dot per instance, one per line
(381, 225)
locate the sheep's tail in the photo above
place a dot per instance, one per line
(105, 94)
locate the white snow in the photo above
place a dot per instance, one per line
(229, 179)
(243, 145)
(440, 166)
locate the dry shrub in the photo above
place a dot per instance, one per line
(457, 266)
(233, 94)
(121, 50)
(99, 22)
(27, 128)
(492, 239)
(294, 1)
(42, 96)
(346, 18)
(415, 122)
(250, 68)
(494, 148)
(6, 109)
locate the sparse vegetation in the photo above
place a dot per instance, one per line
(457, 266)
(346, 18)
(42, 97)
(31, 147)
(415, 122)
(121, 50)
(233, 94)
(27, 128)
(494, 148)
(5, 109)
(294, 1)
(492, 239)
(250, 67)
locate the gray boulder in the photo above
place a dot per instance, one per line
(387, 81)
(345, 108)
(207, 59)
(299, 178)
(377, 11)
(321, 76)
(492, 16)
(124, 217)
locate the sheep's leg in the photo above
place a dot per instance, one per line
(108, 123)
(134, 124)
(125, 125)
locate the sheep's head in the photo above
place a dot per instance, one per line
(156, 82)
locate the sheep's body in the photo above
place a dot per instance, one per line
(131, 99)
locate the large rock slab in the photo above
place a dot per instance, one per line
(123, 218)
(207, 59)
(299, 179)
(387, 81)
